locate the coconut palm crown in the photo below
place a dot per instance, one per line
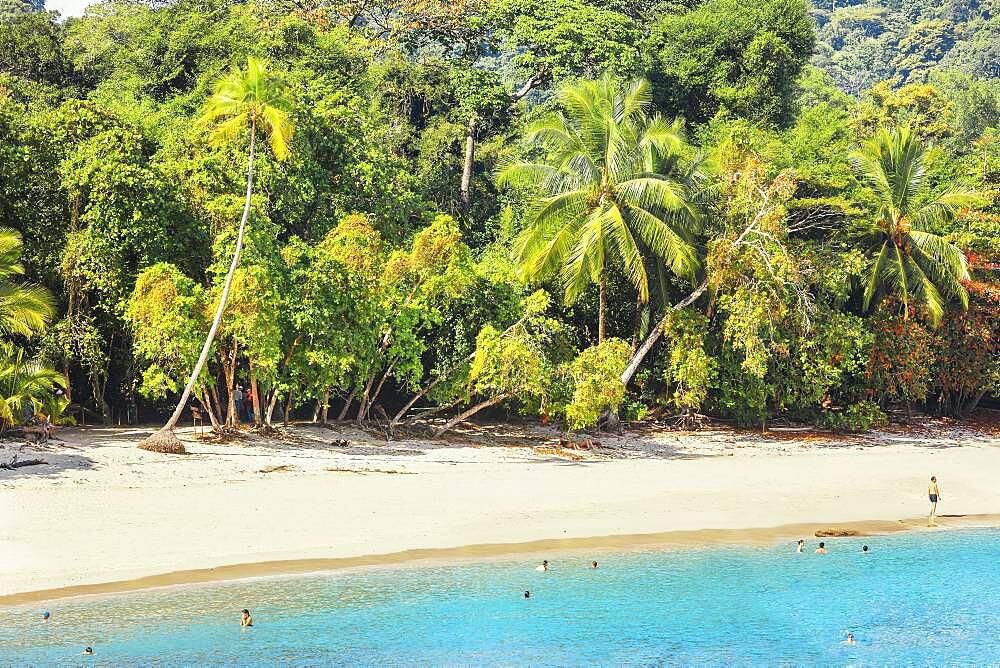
(911, 262)
(253, 99)
(606, 198)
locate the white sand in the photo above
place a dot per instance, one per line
(102, 510)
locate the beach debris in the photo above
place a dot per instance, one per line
(559, 452)
(340, 443)
(281, 468)
(836, 533)
(578, 444)
(365, 471)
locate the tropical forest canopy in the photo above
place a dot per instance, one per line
(561, 208)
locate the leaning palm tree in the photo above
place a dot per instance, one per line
(253, 100)
(606, 196)
(25, 308)
(912, 262)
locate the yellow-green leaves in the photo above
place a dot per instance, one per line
(254, 98)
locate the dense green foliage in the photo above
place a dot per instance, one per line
(862, 42)
(814, 185)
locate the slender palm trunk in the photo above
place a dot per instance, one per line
(172, 422)
(602, 305)
(470, 157)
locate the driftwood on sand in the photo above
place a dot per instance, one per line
(9, 458)
(24, 462)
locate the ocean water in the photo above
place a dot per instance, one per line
(918, 599)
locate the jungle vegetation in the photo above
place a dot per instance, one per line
(392, 210)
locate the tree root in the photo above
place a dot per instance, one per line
(164, 441)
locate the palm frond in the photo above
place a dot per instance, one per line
(654, 192)
(11, 247)
(875, 279)
(25, 309)
(944, 207)
(585, 261)
(667, 243)
(626, 251)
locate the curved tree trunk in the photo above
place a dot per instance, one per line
(256, 397)
(172, 422)
(469, 412)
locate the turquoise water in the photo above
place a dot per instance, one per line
(931, 599)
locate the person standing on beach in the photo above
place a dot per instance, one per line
(934, 494)
(238, 402)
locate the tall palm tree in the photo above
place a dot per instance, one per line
(25, 309)
(912, 262)
(253, 100)
(605, 195)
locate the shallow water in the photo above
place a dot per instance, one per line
(918, 599)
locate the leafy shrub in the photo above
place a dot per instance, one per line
(597, 384)
(690, 371)
(967, 351)
(634, 410)
(899, 368)
(856, 418)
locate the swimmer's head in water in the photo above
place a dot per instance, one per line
(527, 594)
(545, 562)
(245, 611)
(801, 541)
(88, 650)
(850, 636)
(864, 549)
(46, 615)
(822, 544)
(593, 564)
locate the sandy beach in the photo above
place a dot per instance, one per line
(102, 511)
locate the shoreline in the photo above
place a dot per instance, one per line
(102, 515)
(480, 552)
